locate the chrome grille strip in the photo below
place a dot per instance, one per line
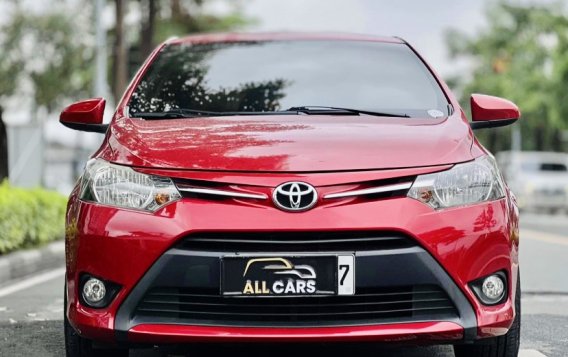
(370, 191)
(215, 192)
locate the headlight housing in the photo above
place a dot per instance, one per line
(120, 186)
(464, 184)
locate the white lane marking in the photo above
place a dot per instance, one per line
(530, 353)
(29, 282)
(544, 237)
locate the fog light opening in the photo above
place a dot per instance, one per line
(94, 291)
(492, 289)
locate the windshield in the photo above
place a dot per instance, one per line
(275, 76)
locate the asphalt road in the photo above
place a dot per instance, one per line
(31, 310)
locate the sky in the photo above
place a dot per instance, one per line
(421, 23)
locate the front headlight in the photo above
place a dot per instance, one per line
(121, 186)
(463, 184)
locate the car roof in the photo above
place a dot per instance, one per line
(281, 36)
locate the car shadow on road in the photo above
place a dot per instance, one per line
(298, 350)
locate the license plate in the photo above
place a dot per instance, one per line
(288, 275)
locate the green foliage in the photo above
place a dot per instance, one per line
(48, 51)
(521, 55)
(29, 218)
(190, 17)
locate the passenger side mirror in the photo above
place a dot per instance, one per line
(490, 112)
(86, 115)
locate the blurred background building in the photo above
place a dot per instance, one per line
(55, 52)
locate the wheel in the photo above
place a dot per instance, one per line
(501, 346)
(77, 346)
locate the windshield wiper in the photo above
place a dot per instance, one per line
(175, 114)
(322, 110)
(192, 113)
(308, 110)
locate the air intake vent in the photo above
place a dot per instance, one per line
(297, 242)
(375, 305)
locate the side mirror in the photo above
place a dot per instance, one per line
(86, 115)
(490, 112)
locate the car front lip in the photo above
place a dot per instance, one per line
(411, 332)
(122, 245)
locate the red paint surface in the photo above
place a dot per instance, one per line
(88, 111)
(288, 143)
(121, 245)
(412, 332)
(486, 108)
(282, 36)
(258, 153)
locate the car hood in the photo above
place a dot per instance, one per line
(288, 143)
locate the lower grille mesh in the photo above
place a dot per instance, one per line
(372, 304)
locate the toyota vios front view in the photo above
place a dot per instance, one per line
(291, 188)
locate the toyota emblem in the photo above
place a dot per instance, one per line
(295, 196)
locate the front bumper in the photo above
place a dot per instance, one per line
(452, 248)
(395, 283)
(398, 333)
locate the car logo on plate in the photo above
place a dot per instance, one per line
(283, 266)
(295, 196)
(296, 278)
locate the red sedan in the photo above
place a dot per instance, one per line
(291, 187)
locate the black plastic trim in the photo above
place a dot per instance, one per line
(111, 290)
(414, 264)
(476, 287)
(90, 128)
(475, 125)
(294, 241)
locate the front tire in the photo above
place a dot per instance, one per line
(501, 346)
(77, 346)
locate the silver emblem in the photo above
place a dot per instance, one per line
(295, 196)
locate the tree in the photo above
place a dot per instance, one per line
(148, 27)
(45, 57)
(521, 55)
(120, 54)
(9, 67)
(48, 52)
(189, 16)
(161, 20)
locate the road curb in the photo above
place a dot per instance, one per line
(20, 264)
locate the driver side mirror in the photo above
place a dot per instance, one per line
(86, 115)
(490, 112)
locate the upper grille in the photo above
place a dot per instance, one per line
(295, 242)
(376, 305)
